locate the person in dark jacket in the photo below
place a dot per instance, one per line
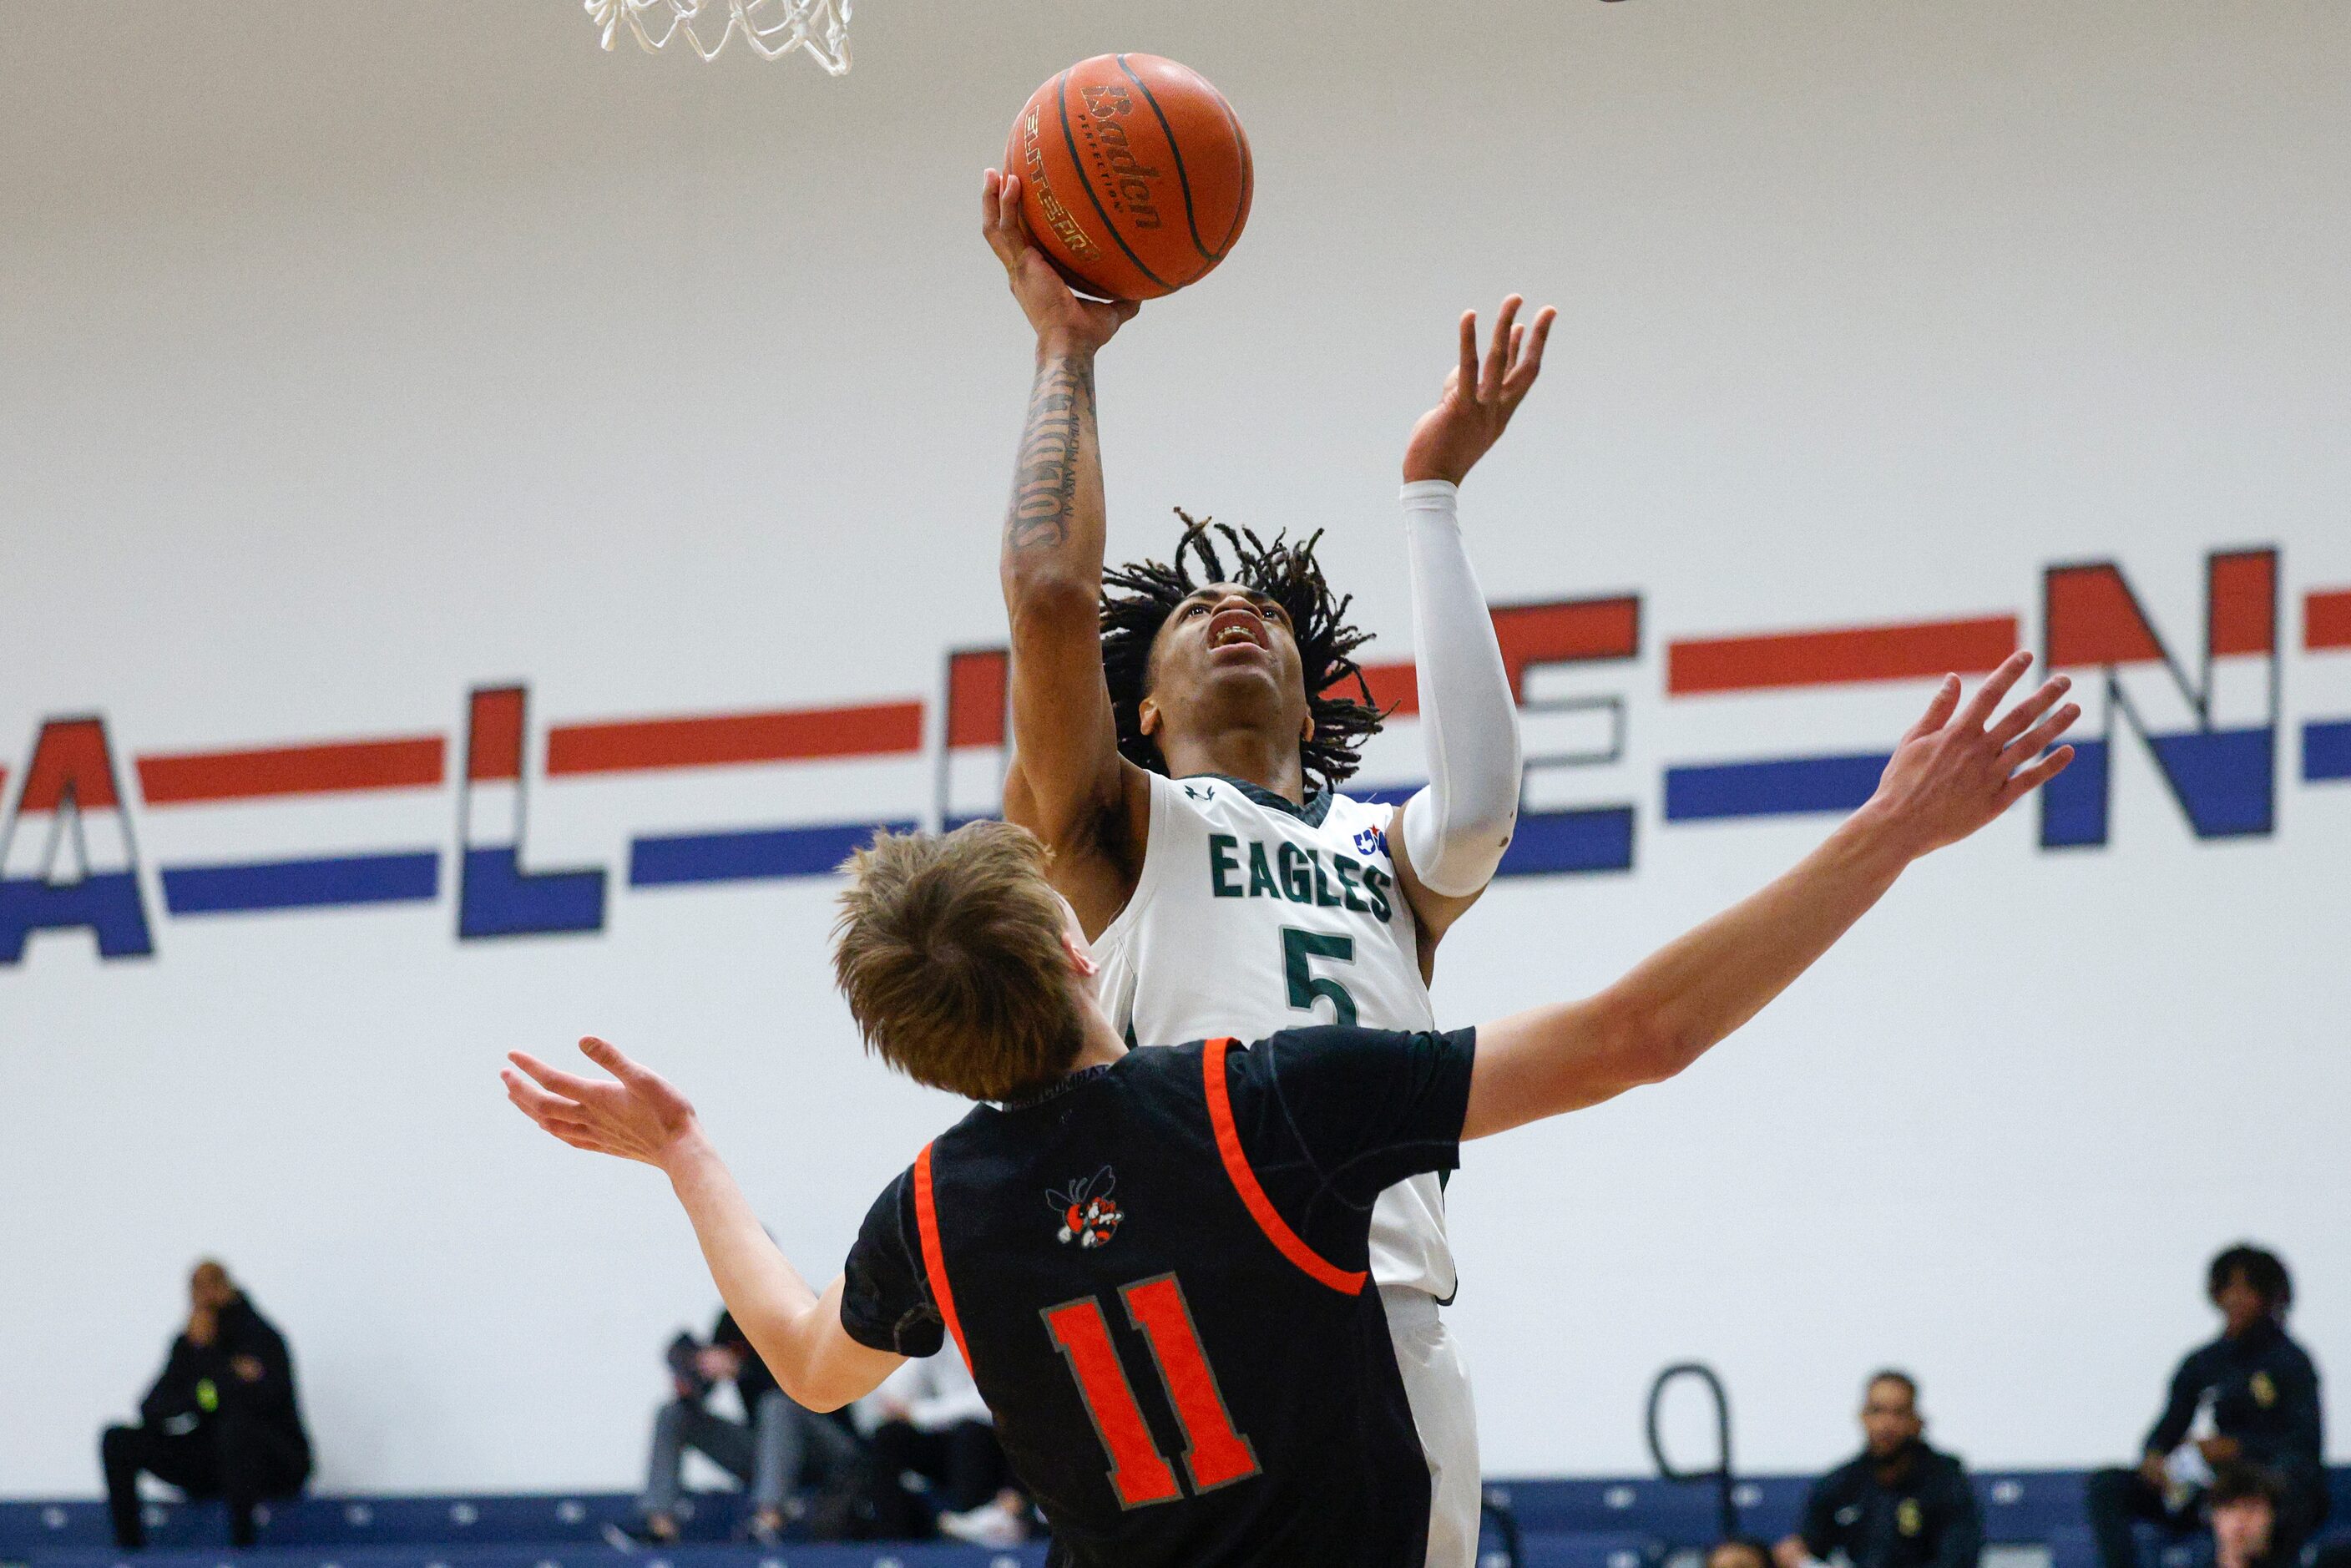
(2259, 1390)
(221, 1420)
(1900, 1504)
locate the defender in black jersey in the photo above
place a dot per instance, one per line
(1185, 1363)
(1154, 1260)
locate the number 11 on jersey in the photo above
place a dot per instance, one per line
(1214, 1454)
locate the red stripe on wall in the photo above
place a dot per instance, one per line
(874, 730)
(493, 735)
(1917, 650)
(2326, 619)
(1395, 688)
(978, 680)
(1568, 630)
(2241, 602)
(410, 763)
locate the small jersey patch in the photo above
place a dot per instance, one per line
(1090, 1217)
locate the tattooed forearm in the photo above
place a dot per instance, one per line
(1045, 480)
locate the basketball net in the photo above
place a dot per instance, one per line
(771, 27)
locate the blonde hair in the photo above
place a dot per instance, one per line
(948, 948)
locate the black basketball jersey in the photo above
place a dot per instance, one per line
(1157, 1273)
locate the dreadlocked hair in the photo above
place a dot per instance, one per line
(1138, 599)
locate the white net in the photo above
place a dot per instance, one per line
(770, 27)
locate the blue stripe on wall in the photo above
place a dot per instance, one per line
(1555, 842)
(745, 855)
(1784, 787)
(2327, 751)
(402, 878)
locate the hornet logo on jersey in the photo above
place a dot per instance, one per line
(1088, 1217)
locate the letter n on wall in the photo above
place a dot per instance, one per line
(2213, 737)
(495, 896)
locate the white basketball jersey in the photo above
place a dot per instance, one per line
(1253, 914)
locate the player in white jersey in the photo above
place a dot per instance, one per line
(1178, 745)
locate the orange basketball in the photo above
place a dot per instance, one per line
(1135, 174)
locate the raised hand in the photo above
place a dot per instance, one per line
(634, 1113)
(1956, 768)
(1479, 396)
(1064, 322)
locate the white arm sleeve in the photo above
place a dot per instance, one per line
(1455, 829)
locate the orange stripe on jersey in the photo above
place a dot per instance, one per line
(934, 1257)
(1347, 1283)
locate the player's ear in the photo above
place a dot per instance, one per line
(1306, 730)
(1146, 716)
(1081, 958)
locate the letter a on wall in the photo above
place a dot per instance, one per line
(67, 860)
(495, 896)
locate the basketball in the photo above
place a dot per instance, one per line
(1135, 173)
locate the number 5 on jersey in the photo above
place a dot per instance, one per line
(1214, 1454)
(1299, 947)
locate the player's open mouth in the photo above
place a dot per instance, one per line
(1235, 628)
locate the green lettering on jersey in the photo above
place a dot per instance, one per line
(1323, 898)
(1261, 882)
(1296, 882)
(1346, 868)
(1377, 882)
(1222, 862)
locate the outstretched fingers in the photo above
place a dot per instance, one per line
(1498, 353)
(2035, 777)
(1467, 370)
(607, 1055)
(1526, 362)
(570, 1085)
(2034, 741)
(2014, 721)
(1939, 711)
(1996, 686)
(537, 1102)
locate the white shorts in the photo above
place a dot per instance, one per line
(1437, 1385)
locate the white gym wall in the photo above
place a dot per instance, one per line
(354, 356)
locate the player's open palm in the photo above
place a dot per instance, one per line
(1479, 396)
(1053, 309)
(1959, 767)
(636, 1114)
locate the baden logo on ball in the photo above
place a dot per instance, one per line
(1135, 175)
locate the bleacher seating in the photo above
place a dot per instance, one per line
(1632, 1522)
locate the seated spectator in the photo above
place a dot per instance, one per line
(1899, 1505)
(2257, 1391)
(776, 1447)
(221, 1420)
(1739, 1552)
(929, 1422)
